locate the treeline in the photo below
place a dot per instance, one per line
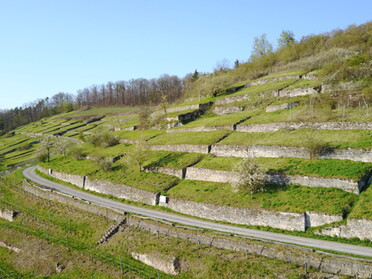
(121, 93)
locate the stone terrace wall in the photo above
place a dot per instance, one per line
(180, 173)
(271, 80)
(288, 253)
(281, 107)
(196, 106)
(231, 99)
(202, 129)
(106, 187)
(361, 228)
(288, 151)
(226, 110)
(183, 148)
(315, 219)
(295, 92)
(77, 180)
(121, 191)
(69, 200)
(167, 264)
(194, 173)
(246, 216)
(272, 127)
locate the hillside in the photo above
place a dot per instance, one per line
(296, 123)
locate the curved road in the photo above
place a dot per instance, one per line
(276, 237)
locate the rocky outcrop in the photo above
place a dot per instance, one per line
(168, 264)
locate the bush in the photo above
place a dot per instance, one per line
(103, 139)
(251, 178)
(105, 163)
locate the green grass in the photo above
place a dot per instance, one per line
(175, 160)
(210, 119)
(100, 111)
(138, 134)
(153, 182)
(363, 208)
(281, 74)
(291, 198)
(188, 138)
(298, 138)
(305, 83)
(292, 166)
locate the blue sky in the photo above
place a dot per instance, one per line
(51, 46)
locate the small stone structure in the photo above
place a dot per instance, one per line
(8, 214)
(281, 107)
(168, 264)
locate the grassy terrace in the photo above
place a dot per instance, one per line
(99, 111)
(210, 119)
(188, 138)
(175, 160)
(299, 138)
(137, 134)
(312, 167)
(291, 198)
(153, 182)
(363, 208)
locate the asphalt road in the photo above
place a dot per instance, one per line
(276, 237)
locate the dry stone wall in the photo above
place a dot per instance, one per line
(272, 127)
(121, 191)
(180, 173)
(288, 253)
(226, 110)
(271, 80)
(315, 219)
(360, 228)
(342, 86)
(204, 149)
(288, 151)
(231, 99)
(295, 92)
(77, 180)
(202, 129)
(106, 187)
(281, 107)
(194, 173)
(246, 216)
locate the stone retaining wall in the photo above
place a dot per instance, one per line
(202, 174)
(195, 106)
(231, 99)
(77, 180)
(284, 252)
(295, 92)
(281, 107)
(342, 86)
(106, 187)
(272, 127)
(180, 173)
(69, 200)
(315, 219)
(361, 228)
(271, 80)
(121, 191)
(226, 110)
(204, 149)
(202, 129)
(245, 216)
(288, 151)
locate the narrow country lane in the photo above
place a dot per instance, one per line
(276, 237)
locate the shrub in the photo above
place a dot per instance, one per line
(105, 163)
(103, 139)
(251, 178)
